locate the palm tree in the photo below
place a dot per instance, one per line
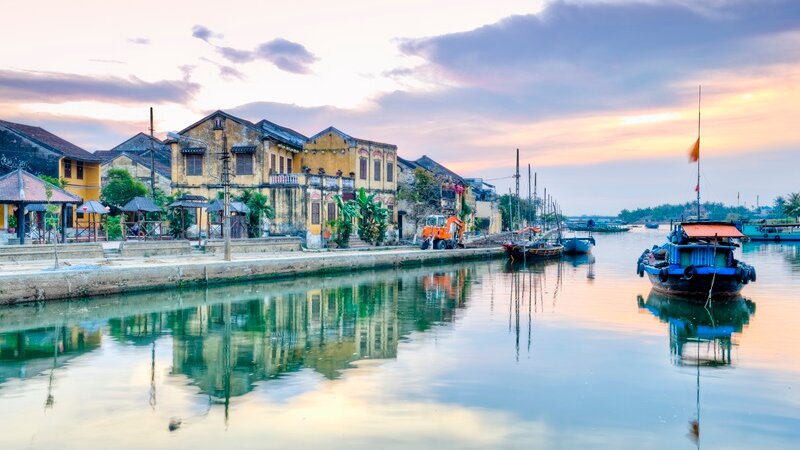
(792, 206)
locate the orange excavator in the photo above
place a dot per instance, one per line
(441, 233)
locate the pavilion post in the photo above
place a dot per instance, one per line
(63, 223)
(21, 223)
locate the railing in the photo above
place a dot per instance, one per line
(314, 180)
(348, 184)
(284, 178)
(330, 183)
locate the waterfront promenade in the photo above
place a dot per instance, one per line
(77, 278)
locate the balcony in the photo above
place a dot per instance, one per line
(348, 184)
(285, 179)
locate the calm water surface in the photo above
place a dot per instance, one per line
(568, 354)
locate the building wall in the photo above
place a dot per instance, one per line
(87, 188)
(16, 152)
(138, 171)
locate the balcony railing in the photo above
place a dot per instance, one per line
(348, 184)
(330, 182)
(314, 180)
(284, 179)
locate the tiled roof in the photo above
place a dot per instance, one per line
(20, 186)
(141, 204)
(283, 134)
(438, 169)
(243, 149)
(141, 136)
(238, 120)
(352, 141)
(51, 141)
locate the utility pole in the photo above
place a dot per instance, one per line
(516, 176)
(152, 158)
(226, 184)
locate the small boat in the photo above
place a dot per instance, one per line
(772, 232)
(595, 227)
(697, 261)
(538, 249)
(651, 225)
(577, 245)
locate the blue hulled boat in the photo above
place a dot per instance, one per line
(651, 225)
(577, 245)
(697, 259)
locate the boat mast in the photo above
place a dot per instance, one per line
(530, 219)
(699, 90)
(516, 176)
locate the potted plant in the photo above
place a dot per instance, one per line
(12, 224)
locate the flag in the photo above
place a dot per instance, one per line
(694, 151)
(697, 188)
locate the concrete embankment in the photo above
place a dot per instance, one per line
(85, 280)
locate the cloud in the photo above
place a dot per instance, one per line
(579, 57)
(53, 87)
(286, 55)
(235, 55)
(139, 41)
(203, 33)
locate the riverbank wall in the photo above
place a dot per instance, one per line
(80, 281)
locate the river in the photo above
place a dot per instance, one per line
(575, 353)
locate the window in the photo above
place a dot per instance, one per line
(331, 211)
(281, 159)
(362, 169)
(390, 171)
(194, 165)
(288, 165)
(79, 169)
(244, 164)
(67, 168)
(376, 172)
(272, 163)
(315, 213)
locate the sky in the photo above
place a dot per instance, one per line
(600, 96)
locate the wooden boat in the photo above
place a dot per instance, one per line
(697, 261)
(651, 225)
(577, 245)
(532, 250)
(771, 232)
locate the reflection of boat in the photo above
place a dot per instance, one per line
(771, 232)
(697, 261)
(691, 322)
(651, 225)
(577, 245)
(579, 259)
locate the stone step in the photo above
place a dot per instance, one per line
(356, 242)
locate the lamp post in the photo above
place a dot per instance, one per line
(226, 182)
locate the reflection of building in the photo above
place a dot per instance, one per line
(25, 354)
(227, 348)
(709, 331)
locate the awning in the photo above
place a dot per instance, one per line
(710, 230)
(243, 149)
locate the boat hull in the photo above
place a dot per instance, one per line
(576, 246)
(519, 252)
(697, 287)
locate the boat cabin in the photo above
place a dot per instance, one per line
(701, 245)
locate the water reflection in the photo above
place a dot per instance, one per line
(710, 329)
(227, 339)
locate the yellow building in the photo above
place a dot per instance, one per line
(134, 156)
(42, 153)
(358, 162)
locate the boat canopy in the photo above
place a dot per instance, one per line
(710, 230)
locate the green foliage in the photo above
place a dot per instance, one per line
(508, 205)
(792, 205)
(373, 222)
(259, 208)
(423, 195)
(12, 221)
(465, 209)
(667, 212)
(121, 188)
(348, 213)
(113, 228)
(59, 183)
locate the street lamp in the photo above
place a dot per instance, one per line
(226, 182)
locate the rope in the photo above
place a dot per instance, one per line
(714, 276)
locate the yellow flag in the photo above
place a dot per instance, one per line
(694, 151)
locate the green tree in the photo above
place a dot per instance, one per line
(260, 208)
(59, 183)
(51, 219)
(121, 188)
(511, 218)
(374, 218)
(343, 224)
(792, 206)
(423, 196)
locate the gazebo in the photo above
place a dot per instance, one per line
(239, 212)
(97, 213)
(138, 226)
(21, 188)
(196, 202)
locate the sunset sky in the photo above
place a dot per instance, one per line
(599, 96)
